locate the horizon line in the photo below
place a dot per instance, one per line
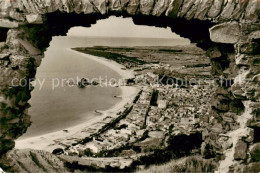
(125, 37)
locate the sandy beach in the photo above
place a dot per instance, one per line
(66, 137)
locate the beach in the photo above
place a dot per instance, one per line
(66, 137)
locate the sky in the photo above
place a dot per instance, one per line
(121, 27)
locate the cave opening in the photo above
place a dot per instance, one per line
(57, 24)
(187, 62)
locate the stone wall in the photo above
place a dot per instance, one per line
(228, 29)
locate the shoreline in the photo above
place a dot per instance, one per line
(65, 137)
(125, 74)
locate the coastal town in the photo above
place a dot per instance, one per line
(159, 110)
(164, 107)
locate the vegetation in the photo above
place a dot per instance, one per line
(255, 152)
(88, 152)
(187, 164)
(252, 167)
(114, 48)
(32, 33)
(165, 72)
(198, 65)
(178, 75)
(21, 94)
(119, 58)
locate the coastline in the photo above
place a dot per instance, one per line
(109, 63)
(66, 137)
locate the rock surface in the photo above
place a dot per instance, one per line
(35, 161)
(146, 6)
(28, 160)
(34, 19)
(240, 150)
(202, 10)
(118, 163)
(225, 33)
(215, 9)
(5, 23)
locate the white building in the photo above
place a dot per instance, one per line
(162, 104)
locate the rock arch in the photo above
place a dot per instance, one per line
(228, 29)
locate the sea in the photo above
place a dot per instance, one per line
(56, 105)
